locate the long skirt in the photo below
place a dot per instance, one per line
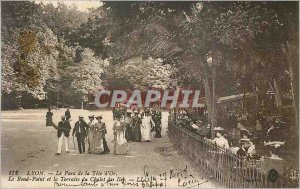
(105, 146)
(136, 133)
(146, 132)
(95, 142)
(128, 132)
(157, 129)
(49, 122)
(120, 143)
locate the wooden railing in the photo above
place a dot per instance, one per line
(223, 165)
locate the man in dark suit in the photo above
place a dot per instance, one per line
(80, 132)
(63, 131)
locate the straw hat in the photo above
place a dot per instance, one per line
(218, 129)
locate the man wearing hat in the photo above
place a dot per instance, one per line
(245, 144)
(63, 131)
(80, 132)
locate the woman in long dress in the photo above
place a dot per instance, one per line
(120, 143)
(128, 131)
(136, 127)
(96, 138)
(49, 115)
(102, 127)
(147, 123)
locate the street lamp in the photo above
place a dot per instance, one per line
(199, 6)
(213, 59)
(210, 63)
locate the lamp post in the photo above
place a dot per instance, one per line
(213, 59)
(210, 64)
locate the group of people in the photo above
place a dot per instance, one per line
(239, 139)
(133, 128)
(140, 124)
(91, 134)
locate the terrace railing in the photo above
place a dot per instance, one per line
(223, 165)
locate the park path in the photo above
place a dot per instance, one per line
(26, 144)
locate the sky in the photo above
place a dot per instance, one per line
(82, 5)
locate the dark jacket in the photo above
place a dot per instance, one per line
(63, 127)
(156, 117)
(241, 152)
(68, 114)
(82, 125)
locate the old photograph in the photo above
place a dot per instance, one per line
(149, 94)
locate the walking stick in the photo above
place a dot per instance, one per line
(74, 144)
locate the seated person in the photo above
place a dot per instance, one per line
(201, 129)
(275, 133)
(220, 140)
(195, 125)
(242, 152)
(247, 149)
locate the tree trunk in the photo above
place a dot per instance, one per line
(287, 51)
(276, 91)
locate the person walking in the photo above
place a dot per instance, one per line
(96, 139)
(136, 127)
(90, 132)
(147, 124)
(120, 143)
(156, 116)
(63, 131)
(102, 127)
(49, 115)
(80, 132)
(128, 131)
(68, 114)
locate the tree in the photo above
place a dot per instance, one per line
(32, 55)
(87, 73)
(62, 19)
(143, 74)
(29, 63)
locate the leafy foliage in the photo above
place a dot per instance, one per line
(87, 73)
(143, 74)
